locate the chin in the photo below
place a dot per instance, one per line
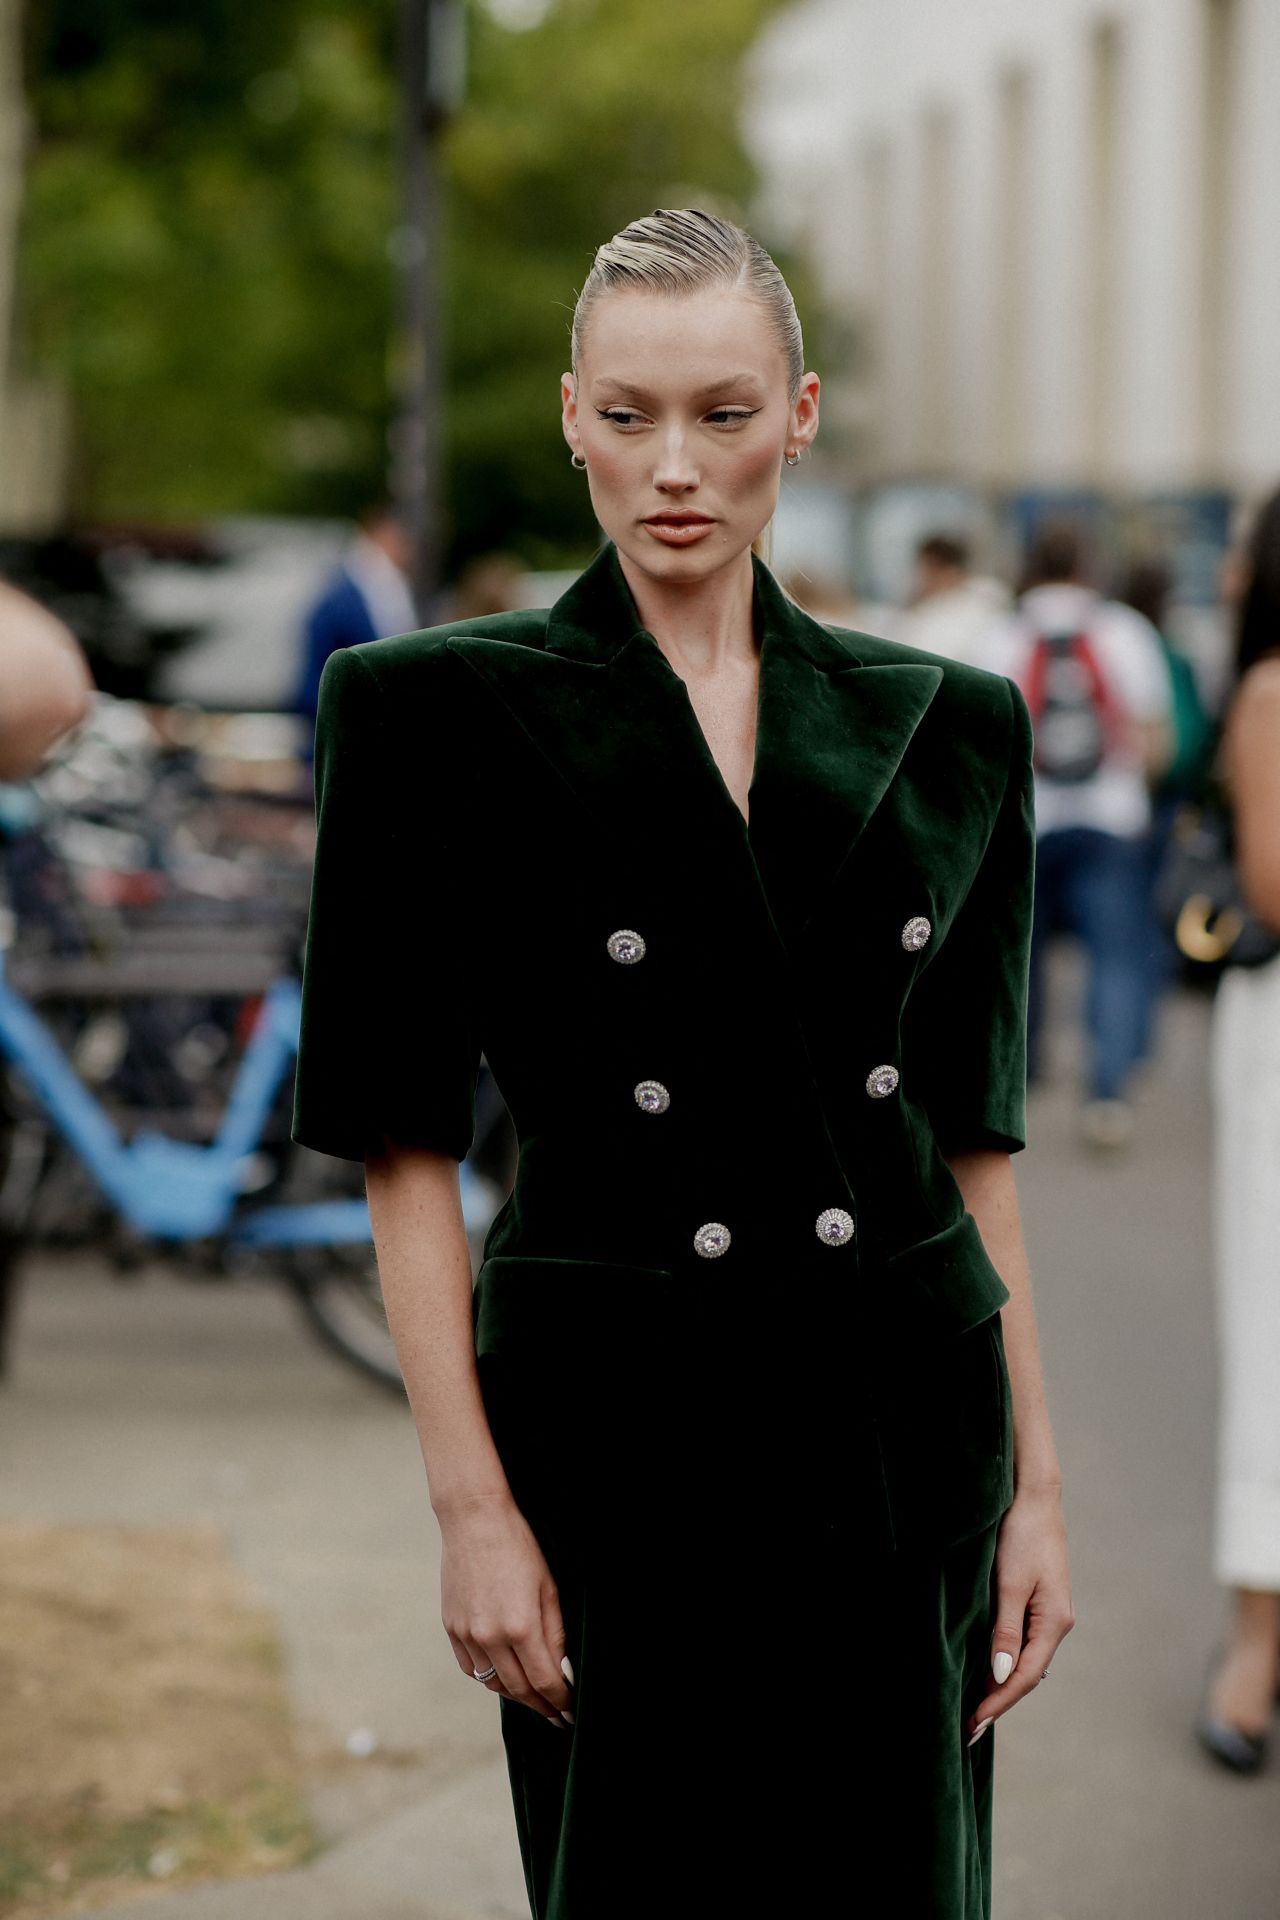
(678, 564)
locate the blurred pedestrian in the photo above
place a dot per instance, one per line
(1241, 1698)
(1095, 681)
(45, 684)
(45, 691)
(951, 610)
(746, 1485)
(1147, 587)
(369, 597)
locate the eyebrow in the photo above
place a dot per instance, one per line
(629, 392)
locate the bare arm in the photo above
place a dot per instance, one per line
(44, 683)
(1253, 750)
(1034, 1609)
(499, 1601)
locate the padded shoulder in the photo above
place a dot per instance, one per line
(970, 697)
(412, 653)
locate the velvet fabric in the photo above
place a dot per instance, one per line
(768, 1483)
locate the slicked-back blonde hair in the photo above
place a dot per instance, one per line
(683, 250)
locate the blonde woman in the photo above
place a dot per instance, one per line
(748, 1498)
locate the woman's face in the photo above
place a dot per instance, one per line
(680, 410)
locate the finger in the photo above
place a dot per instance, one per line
(555, 1682)
(1010, 1632)
(462, 1654)
(1033, 1665)
(519, 1686)
(474, 1661)
(545, 1675)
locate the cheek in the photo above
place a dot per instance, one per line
(752, 472)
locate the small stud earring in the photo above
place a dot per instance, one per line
(793, 458)
(576, 460)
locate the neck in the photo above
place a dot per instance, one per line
(701, 622)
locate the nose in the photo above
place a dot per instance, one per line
(675, 471)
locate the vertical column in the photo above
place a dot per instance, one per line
(1251, 321)
(1062, 344)
(1011, 283)
(976, 263)
(1101, 267)
(900, 315)
(936, 383)
(1220, 88)
(1159, 192)
(875, 206)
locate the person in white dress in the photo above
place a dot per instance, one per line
(1236, 1715)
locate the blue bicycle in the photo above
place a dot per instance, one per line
(229, 1200)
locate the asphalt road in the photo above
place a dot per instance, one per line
(165, 1401)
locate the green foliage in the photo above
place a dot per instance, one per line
(206, 239)
(205, 249)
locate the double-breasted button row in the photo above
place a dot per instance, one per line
(834, 1227)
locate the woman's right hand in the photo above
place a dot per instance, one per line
(501, 1608)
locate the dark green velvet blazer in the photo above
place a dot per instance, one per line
(497, 798)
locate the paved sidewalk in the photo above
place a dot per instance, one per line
(447, 1859)
(170, 1403)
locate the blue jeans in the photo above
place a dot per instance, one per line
(1096, 886)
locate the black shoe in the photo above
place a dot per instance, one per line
(1232, 1748)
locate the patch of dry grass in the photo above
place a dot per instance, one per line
(145, 1737)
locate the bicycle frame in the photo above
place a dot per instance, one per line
(172, 1189)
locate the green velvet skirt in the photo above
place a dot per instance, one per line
(772, 1689)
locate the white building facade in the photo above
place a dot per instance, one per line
(1054, 226)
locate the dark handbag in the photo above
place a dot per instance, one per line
(1198, 897)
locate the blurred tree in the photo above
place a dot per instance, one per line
(206, 239)
(204, 254)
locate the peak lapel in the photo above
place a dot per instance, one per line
(832, 734)
(605, 708)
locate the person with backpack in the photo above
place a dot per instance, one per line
(1095, 681)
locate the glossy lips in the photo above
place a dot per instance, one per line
(678, 529)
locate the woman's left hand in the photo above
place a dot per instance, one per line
(1034, 1614)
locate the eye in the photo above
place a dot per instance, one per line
(625, 417)
(732, 417)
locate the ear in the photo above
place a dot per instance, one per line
(569, 413)
(804, 412)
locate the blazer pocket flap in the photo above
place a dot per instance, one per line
(945, 1285)
(530, 1305)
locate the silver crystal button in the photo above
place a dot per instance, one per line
(834, 1226)
(711, 1240)
(625, 946)
(652, 1097)
(916, 934)
(881, 1081)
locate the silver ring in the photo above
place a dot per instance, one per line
(488, 1673)
(1045, 1674)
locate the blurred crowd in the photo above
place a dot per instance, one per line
(1125, 729)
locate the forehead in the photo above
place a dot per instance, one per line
(680, 338)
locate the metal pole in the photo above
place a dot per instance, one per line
(415, 465)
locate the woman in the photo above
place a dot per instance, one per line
(1241, 1700)
(720, 1478)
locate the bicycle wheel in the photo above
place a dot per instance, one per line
(341, 1300)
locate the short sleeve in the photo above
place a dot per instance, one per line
(965, 1025)
(388, 1046)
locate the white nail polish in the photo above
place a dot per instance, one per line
(566, 1668)
(1002, 1667)
(566, 1715)
(979, 1730)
